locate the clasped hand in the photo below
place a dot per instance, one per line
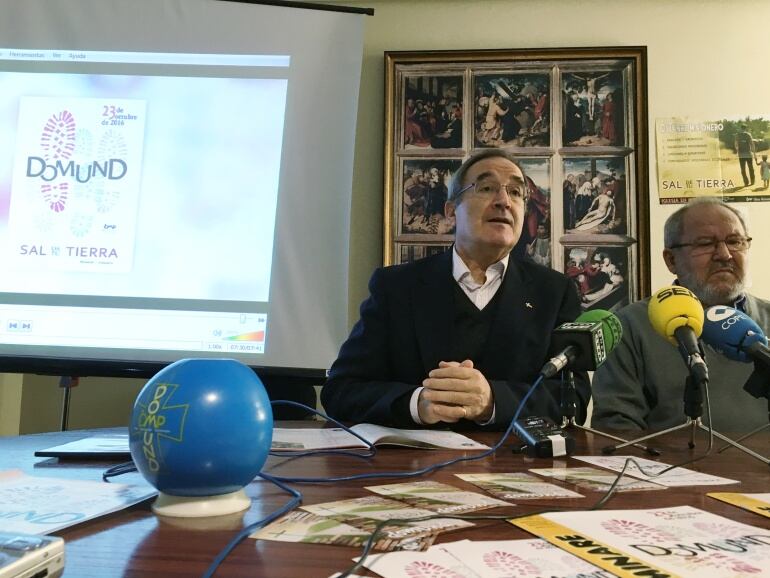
(455, 391)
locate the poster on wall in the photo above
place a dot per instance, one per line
(726, 158)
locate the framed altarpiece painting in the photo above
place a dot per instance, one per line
(576, 121)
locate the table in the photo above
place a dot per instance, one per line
(136, 543)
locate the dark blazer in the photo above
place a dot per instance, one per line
(406, 329)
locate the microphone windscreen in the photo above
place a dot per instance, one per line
(612, 329)
(731, 332)
(674, 307)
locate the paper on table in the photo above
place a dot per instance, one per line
(487, 559)
(364, 513)
(521, 559)
(331, 438)
(595, 479)
(681, 541)
(517, 486)
(674, 478)
(435, 562)
(38, 505)
(307, 528)
(438, 497)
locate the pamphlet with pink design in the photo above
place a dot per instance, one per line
(681, 541)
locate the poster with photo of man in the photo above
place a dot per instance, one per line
(728, 158)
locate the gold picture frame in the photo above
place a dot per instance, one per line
(576, 120)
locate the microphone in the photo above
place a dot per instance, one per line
(677, 315)
(583, 344)
(738, 337)
(733, 334)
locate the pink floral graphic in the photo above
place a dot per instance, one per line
(629, 529)
(717, 529)
(58, 139)
(713, 560)
(58, 143)
(498, 560)
(430, 570)
(55, 196)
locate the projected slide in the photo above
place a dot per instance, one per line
(142, 185)
(158, 184)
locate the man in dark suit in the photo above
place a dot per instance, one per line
(459, 337)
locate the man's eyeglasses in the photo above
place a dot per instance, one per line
(516, 190)
(734, 244)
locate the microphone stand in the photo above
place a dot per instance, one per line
(693, 409)
(758, 386)
(569, 409)
(748, 435)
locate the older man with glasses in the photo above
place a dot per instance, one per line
(641, 385)
(458, 338)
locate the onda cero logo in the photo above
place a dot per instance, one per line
(717, 314)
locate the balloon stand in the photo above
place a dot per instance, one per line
(201, 506)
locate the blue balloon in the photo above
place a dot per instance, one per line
(201, 427)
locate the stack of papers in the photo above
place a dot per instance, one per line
(306, 528)
(331, 523)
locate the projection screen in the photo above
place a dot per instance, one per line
(175, 181)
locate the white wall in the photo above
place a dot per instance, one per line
(706, 59)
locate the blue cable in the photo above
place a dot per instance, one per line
(248, 530)
(427, 469)
(297, 496)
(370, 451)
